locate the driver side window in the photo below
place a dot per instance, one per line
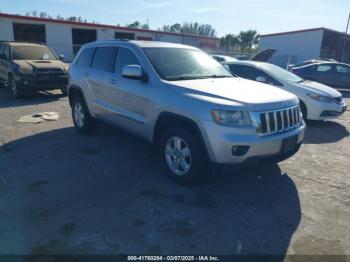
(124, 57)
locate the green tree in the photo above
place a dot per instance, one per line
(248, 39)
(229, 41)
(190, 28)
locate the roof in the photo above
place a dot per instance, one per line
(15, 43)
(105, 26)
(142, 44)
(302, 31)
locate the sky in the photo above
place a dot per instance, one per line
(226, 16)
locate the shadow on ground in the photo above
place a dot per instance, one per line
(32, 99)
(319, 132)
(65, 193)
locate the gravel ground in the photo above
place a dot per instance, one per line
(66, 193)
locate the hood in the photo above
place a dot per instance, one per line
(318, 87)
(237, 91)
(29, 65)
(264, 55)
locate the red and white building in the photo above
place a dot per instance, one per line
(66, 37)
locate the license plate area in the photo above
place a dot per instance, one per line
(289, 144)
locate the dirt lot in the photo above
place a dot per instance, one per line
(65, 193)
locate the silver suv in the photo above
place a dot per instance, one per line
(183, 101)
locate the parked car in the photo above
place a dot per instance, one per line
(308, 62)
(330, 73)
(27, 67)
(317, 101)
(185, 102)
(224, 58)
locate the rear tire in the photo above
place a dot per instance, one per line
(82, 119)
(183, 156)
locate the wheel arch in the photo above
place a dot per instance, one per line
(166, 119)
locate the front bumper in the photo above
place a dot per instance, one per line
(324, 111)
(50, 82)
(220, 140)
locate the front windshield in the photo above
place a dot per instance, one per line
(183, 64)
(32, 53)
(280, 73)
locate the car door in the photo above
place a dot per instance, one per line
(325, 74)
(99, 80)
(128, 97)
(3, 62)
(81, 71)
(343, 75)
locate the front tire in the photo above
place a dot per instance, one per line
(303, 110)
(183, 156)
(64, 91)
(82, 119)
(13, 87)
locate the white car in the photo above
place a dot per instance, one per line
(224, 58)
(317, 101)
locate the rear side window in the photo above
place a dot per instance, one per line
(85, 57)
(104, 58)
(324, 68)
(125, 57)
(343, 69)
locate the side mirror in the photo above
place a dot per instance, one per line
(3, 56)
(134, 72)
(261, 79)
(227, 67)
(61, 57)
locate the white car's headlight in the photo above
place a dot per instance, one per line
(320, 98)
(231, 118)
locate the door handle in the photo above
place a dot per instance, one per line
(86, 74)
(112, 81)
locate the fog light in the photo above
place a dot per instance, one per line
(240, 150)
(25, 82)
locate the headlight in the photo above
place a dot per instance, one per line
(18, 70)
(325, 99)
(231, 118)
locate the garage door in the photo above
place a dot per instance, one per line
(29, 33)
(82, 36)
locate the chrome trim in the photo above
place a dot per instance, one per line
(291, 121)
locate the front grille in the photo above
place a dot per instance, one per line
(277, 121)
(50, 75)
(49, 71)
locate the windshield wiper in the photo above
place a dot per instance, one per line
(215, 76)
(192, 77)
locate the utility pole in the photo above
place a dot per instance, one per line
(345, 39)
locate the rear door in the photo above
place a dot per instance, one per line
(325, 74)
(81, 71)
(5, 64)
(343, 75)
(100, 79)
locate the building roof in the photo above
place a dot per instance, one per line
(104, 26)
(302, 31)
